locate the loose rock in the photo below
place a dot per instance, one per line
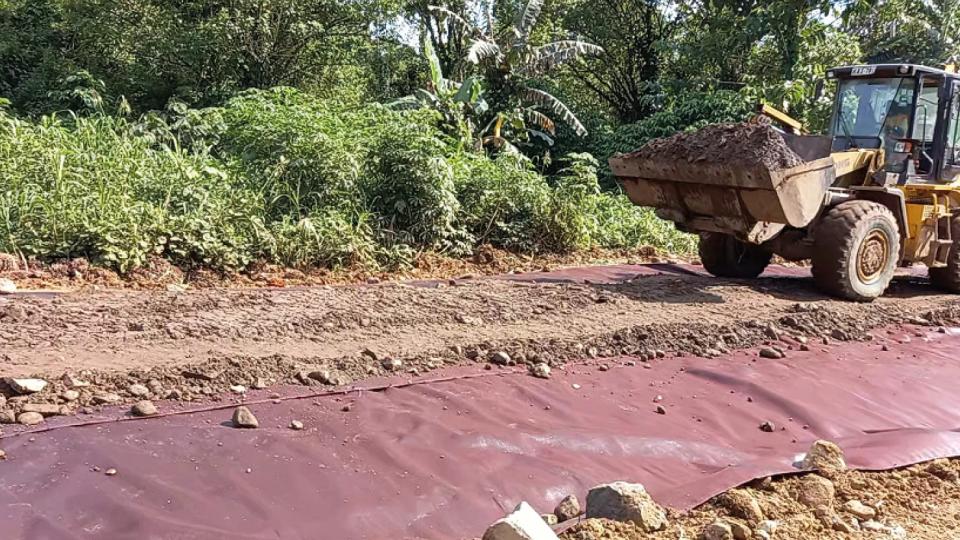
(30, 418)
(815, 491)
(767, 427)
(524, 523)
(105, 398)
(45, 409)
(541, 371)
(244, 418)
(70, 395)
(859, 510)
(7, 286)
(144, 408)
(501, 358)
(568, 508)
(771, 353)
(549, 519)
(296, 425)
(622, 501)
(26, 386)
(718, 530)
(825, 457)
(138, 390)
(741, 504)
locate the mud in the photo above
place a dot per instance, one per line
(743, 144)
(922, 501)
(194, 344)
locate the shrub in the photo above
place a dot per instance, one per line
(85, 187)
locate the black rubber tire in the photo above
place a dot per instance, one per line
(948, 278)
(724, 256)
(838, 239)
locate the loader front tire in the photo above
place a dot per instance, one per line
(856, 249)
(724, 256)
(948, 278)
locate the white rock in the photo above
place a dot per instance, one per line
(7, 286)
(623, 501)
(859, 510)
(26, 386)
(238, 389)
(524, 523)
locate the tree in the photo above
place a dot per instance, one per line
(919, 31)
(634, 35)
(510, 64)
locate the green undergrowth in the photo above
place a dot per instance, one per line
(283, 177)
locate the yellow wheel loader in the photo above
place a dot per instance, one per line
(882, 189)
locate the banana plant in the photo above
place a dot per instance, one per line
(511, 64)
(458, 102)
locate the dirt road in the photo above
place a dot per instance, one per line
(272, 335)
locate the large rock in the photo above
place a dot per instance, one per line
(815, 491)
(825, 457)
(7, 286)
(741, 504)
(30, 418)
(718, 530)
(26, 386)
(243, 418)
(45, 409)
(568, 508)
(524, 523)
(622, 501)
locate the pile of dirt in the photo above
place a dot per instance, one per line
(921, 501)
(744, 144)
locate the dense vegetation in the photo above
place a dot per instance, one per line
(218, 133)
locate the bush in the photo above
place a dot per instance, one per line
(284, 177)
(85, 187)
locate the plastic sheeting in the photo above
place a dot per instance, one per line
(443, 459)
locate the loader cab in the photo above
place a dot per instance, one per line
(911, 112)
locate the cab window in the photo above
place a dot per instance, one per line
(951, 151)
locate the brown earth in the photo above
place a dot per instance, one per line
(744, 144)
(921, 502)
(79, 274)
(194, 343)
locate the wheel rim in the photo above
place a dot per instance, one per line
(873, 256)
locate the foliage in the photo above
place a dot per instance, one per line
(633, 34)
(511, 62)
(283, 177)
(458, 103)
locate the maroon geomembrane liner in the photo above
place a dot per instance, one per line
(444, 458)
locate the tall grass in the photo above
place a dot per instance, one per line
(282, 177)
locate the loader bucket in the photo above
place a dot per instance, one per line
(753, 203)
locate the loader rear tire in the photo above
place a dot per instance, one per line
(856, 250)
(948, 278)
(724, 256)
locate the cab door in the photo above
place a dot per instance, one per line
(951, 147)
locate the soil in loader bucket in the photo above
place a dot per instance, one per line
(744, 145)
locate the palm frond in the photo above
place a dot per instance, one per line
(453, 16)
(559, 53)
(543, 99)
(541, 120)
(481, 50)
(526, 20)
(436, 72)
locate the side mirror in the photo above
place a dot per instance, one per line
(818, 89)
